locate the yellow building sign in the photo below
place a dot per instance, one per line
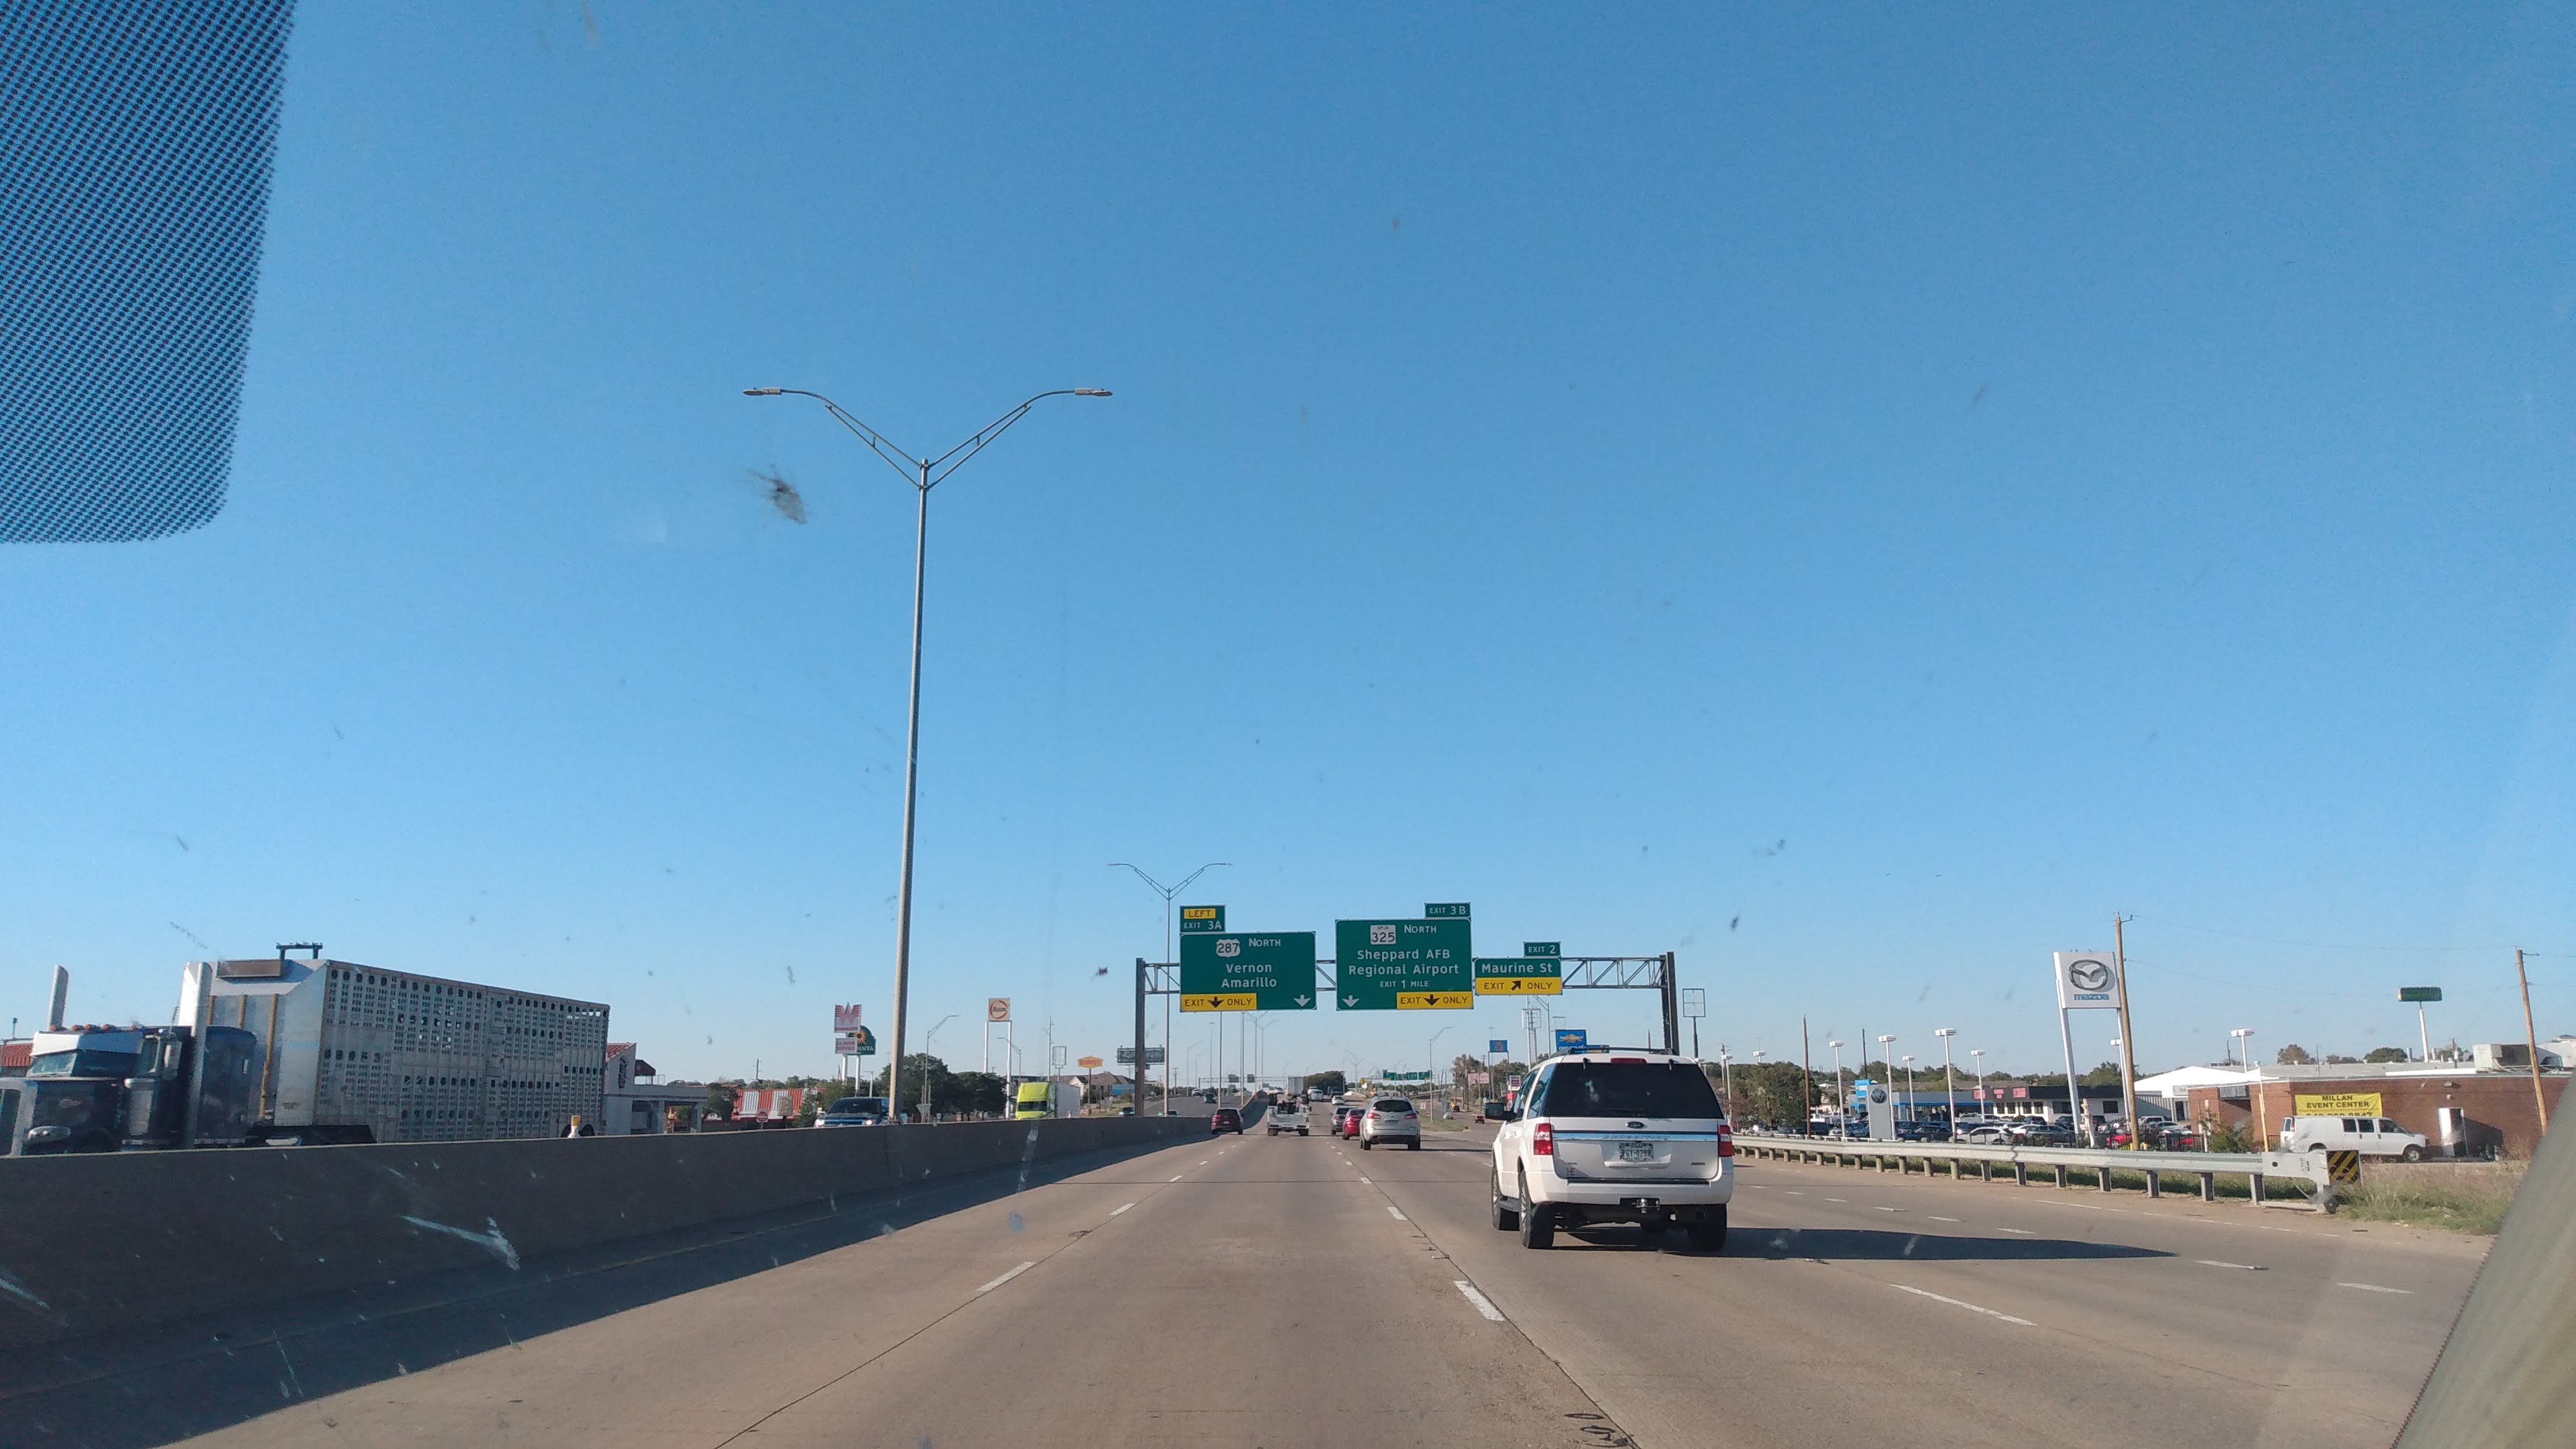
(2336, 1104)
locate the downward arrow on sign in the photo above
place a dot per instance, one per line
(1350, 1001)
(1302, 1000)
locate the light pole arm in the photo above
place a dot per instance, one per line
(995, 429)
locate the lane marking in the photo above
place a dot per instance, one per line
(1204, 1162)
(2025, 1232)
(1959, 1303)
(1005, 1278)
(2214, 1263)
(1399, 1217)
(1843, 1200)
(1113, 1212)
(1887, 1210)
(1936, 1217)
(1793, 1192)
(1364, 1179)
(1178, 1176)
(2375, 1288)
(1484, 1305)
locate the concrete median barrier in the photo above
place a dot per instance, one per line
(92, 1244)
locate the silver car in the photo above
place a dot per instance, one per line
(1391, 1120)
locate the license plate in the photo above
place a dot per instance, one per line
(1636, 1152)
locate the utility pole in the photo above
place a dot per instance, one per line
(2531, 1036)
(2128, 1036)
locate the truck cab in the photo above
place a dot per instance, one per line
(99, 1089)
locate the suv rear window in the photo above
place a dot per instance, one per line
(1627, 1089)
(1391, 1104)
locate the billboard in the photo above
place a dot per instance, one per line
(845, 1018)
(2087, 978)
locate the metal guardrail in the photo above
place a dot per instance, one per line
(2256, 1167)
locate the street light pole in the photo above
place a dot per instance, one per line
(1949, 1079)
(924, 474)
(1431, 1056)
(1842, 1100)
(1166, 892)
(1977, 1057)
(897, 1102)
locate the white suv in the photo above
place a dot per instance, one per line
(2370, 1136)
(1391, 1120)
(1615, 1137)
(1288, 1115)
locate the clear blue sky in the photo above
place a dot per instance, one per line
(1856, 498)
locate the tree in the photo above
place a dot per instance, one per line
(2386, 1054)
(719, 1102)
(972, 1092)
(2105, 1075)
(2293, 1055)
(1330, 1083)
(1775, 1094)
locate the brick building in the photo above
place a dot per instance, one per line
(2498, 1108)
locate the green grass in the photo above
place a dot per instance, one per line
(2466, 1197)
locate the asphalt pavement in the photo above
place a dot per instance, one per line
(1294, 1291)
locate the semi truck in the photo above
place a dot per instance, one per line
(1046, 1099)
(312, 1052)
(106, 1089)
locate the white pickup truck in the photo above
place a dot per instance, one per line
(1286, 1115)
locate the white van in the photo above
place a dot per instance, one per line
(2370, 1136)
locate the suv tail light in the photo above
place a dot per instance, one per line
(1542, 1141)
(1725, 1140)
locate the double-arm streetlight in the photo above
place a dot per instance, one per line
(1166, 892)
(923, 474)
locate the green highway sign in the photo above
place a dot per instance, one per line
(1531, 975)
(2419, 993)
(1541, 948)
(1248, 971)
(1195, 919)
(1404, 965)
(1445, 911)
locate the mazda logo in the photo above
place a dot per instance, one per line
(2089, 976)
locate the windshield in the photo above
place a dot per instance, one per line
(585, 586)
(83, 1062)
(1627, 1089)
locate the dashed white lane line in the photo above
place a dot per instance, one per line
(1122, 1207)
(1887, 1210)
(1370, 1183)
(1391, 1209)
(1177, 1176)
(1843, 1200)
(2025, 1232)
(1005, 1278)
(2215, 1263)
(1936, 1217)
(1962, 1303)
(1484, 1305)
(2375, 1288)
(1203, 1162)
(1793, 1192)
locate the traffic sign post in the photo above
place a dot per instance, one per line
(1519, 976)
(1424, 965)
(1248, 971)
(2418, 995)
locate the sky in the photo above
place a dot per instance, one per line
(1856, 498)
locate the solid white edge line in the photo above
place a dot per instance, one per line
(1960, 1303)
(1399, 1217)
(2025, 1232)
(1484, 1305)
(1122, 1207)
(1005, 1278)
(2215, 1263)
(2375, 1288)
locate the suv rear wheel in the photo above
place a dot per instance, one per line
(1708, 1235)
(1538, 1221)
(1505, 1219)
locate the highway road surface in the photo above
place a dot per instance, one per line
(1292, 1291)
